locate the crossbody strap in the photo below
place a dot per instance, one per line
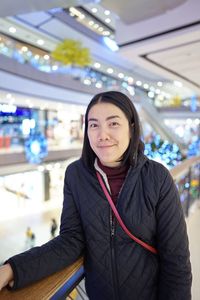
(143, 244)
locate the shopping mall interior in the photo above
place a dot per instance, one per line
(147, 50)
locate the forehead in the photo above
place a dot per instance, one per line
(103, 109)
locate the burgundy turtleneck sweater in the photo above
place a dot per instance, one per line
(116, 177)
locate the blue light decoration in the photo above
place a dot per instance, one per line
(163, 151)
(194, 148)
(36, 148)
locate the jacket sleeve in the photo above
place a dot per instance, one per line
(172, 242)
(56, 254)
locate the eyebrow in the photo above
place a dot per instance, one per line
(107, 119)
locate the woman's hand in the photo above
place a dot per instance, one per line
(6, 276)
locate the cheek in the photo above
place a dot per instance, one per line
(91, 138)
(126, 136)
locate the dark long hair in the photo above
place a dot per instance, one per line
(135, 147)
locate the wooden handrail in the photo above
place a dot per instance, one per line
(46, 288)
(184, 167)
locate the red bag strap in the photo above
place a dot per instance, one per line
(143, 244)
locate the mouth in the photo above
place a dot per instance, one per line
(104, 146)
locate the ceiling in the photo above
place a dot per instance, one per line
(167, 44)
(140, 10)
(11, 8)
(157, 40)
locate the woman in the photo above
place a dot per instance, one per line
(116, 267)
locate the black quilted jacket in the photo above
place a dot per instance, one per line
(117, 268)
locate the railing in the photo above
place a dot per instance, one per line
(53, 287)
(59, 285)
(183, 168)
(187, 177)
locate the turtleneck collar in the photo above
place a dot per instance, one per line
(112, 171)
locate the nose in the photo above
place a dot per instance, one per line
(103, 134)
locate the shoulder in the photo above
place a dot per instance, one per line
(77, 169)
(156, 171)
(76, 164)
(157, 180)
(157, 166)
(73, 167)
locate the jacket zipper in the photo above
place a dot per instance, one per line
(113, 260)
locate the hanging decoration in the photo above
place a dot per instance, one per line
(36, 148)
(71, 52)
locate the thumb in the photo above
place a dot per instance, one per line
(11, 283)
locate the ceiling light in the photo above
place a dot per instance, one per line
(112, 45)
(178, 83)
(98, 85)
(12, 29)
(145, 86)
(159, 83)
(107, 20)
(94, 10)
(100, 29)
(91, 23)
(138, 83)
(106, 32)
(87, 81)
(107, 12)
(81, 16)
(150, 94)
(76, 12)
(24, 49)
(46, 56)
(121, 75)
(96, 25)
(97, 65)
(157, 91)
(130, 80)
(36, 56)
(40, 42)
(110, 70)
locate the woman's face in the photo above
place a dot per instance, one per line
(108, 133)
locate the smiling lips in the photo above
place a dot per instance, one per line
(105, 146)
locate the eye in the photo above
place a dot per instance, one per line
(93, 125)
(114, 124)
